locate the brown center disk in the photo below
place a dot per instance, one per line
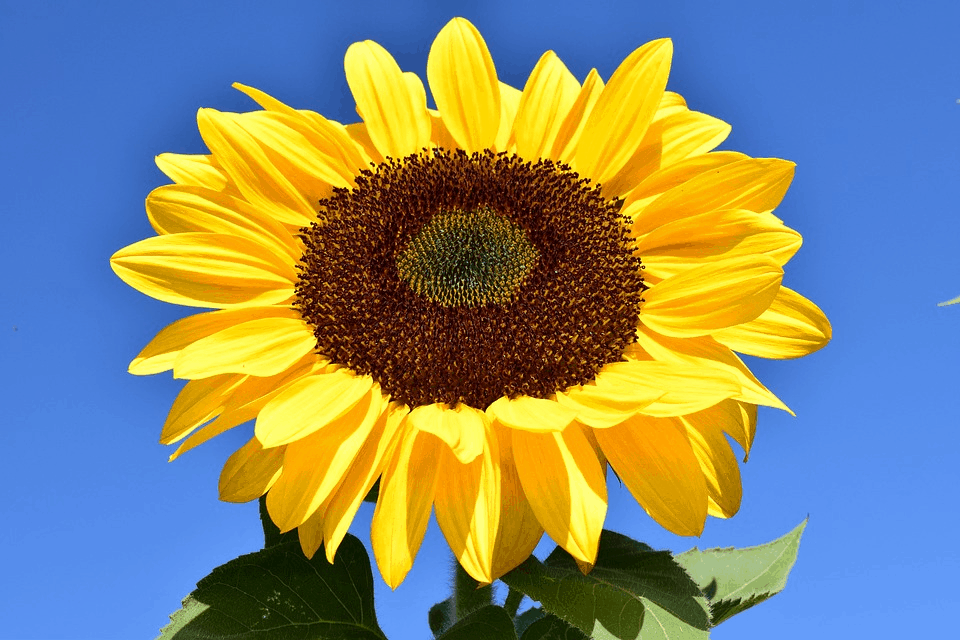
(568, 304)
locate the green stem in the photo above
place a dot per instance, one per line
(468, 595)
(512, 603)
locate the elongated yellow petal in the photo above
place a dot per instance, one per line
(565, 485)
(706, 353)
(686, 243)
(509, 103)
(467, 503)
(790, 328)
(310, 532)
(666, 178)
(249, 168)
(337, 143)
(547, 98)
(654, 458)
(719, 465)
(250, 472)
(261, 347)
(531, 414)
(314, 466)
(198, 402)
(366, 468)
(600, 409)
(183, 209)
(670, 104)
(205, 270)
(312, 164)
(519, 531)
(246, 401)
(460, 427)
(713, 296)
(308, 405)
(681, 387)
(400, 519)
(464, 84)
(568, 136)
(756, 184)
(740, 423)
(394, 111)
(195, 170)
(161, 352)
(623, 112)
(668, 141)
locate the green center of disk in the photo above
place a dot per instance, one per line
(467, 259)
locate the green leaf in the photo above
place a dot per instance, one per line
(489, 623)
(552, 628)
(736, 579)
(610, 601)
(278, 594)
(442, 616)
(527, 618)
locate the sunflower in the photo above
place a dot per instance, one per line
(481, 306)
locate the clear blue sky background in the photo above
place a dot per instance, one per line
(100, 537)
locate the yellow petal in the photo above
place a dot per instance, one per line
(467, 505)
(366, 468)
(310, 532)
(464, 85)
(340, 147)
(666, 178)
(791, 327)
(261, 347)
(314, 164)
(461, 427)
(654, 458)
(182, 209)
(394, 111)
(198, 402)
(547, 97)
(205, 270)
(688, 242)
(756, 184)
(740, 423)
(247, 164)
(308, 405)
(439, 135)
(565, 485)
(196, 170)
(531, 414)
(623, 112)
(668, 141)
(519, 530)
(314, 466)
(713, 296)
(509, 103)
(568, 136)
(682, 388)
(670, 103)
(403, 508)
(250, 472)
(719, 465)
(245, 402)
(599, 408)
(706, 353)
(161, 352)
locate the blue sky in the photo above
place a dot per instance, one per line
(100, 537)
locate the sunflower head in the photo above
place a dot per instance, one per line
(482, 306)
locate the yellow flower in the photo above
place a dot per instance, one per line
(482, 305)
